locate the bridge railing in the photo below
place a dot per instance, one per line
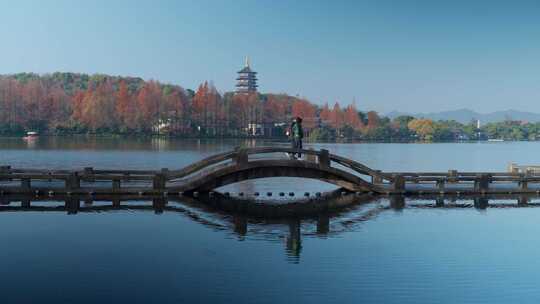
(73, 179)
(479, 181)
(240, 156)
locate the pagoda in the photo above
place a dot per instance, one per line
(247, 80)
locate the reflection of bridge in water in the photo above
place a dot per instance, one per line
(210, 213)
(231, 167)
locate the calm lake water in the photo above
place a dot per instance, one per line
(374, 252)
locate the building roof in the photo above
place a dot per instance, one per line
(247, 69)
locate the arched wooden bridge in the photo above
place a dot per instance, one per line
(253, 163)
(248, 164)
(202, 176)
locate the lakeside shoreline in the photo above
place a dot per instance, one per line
(262, 138)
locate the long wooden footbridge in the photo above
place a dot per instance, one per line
(243, 164)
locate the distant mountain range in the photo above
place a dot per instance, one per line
(466, 116)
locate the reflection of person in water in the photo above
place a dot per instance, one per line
(294, 240)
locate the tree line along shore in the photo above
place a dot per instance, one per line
(73, 103)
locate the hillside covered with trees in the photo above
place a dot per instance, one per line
(63, 103)
(71, 103)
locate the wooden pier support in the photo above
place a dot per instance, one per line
(523, 201)
(481, 203)
(159, 205)
(397, 202)
(323, 224)
(240, 224)
(25, 203)
(25, 184)
(72, 205)
(5, 170)
(523, 183)
(116, 184)
(116, 202)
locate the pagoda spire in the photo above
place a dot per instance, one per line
(246, 64)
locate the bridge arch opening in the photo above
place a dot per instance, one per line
(279, 184)
(276, 169)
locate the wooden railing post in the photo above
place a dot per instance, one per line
(324, 159)
(89, 171)
(5, 170)
(523, 180)
(377, 179)
(481, 182)
(165, 171)
(452, 176)
(440, 184)
(311, 157)
(159, 181)
(399, 183)
(240, 157)
(73, 181)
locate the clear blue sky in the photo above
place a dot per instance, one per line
(389, 55)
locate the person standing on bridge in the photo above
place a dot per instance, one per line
(296, 134)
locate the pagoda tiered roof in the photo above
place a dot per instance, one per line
(247, 70)
(246, 80)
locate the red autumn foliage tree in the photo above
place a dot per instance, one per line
(246, 109)
(176, 104)
(78, 105)
(325, 114)
(307, 111)
(208, 110)
(148, 104)
(125, 107)
(69, 102)
(275, 109)
(350, 118)
(99, 110)
(336, 117)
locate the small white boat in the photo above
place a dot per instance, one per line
(31, 135)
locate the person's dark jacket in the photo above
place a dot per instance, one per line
(296, 130)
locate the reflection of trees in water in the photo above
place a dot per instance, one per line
(291, 230)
